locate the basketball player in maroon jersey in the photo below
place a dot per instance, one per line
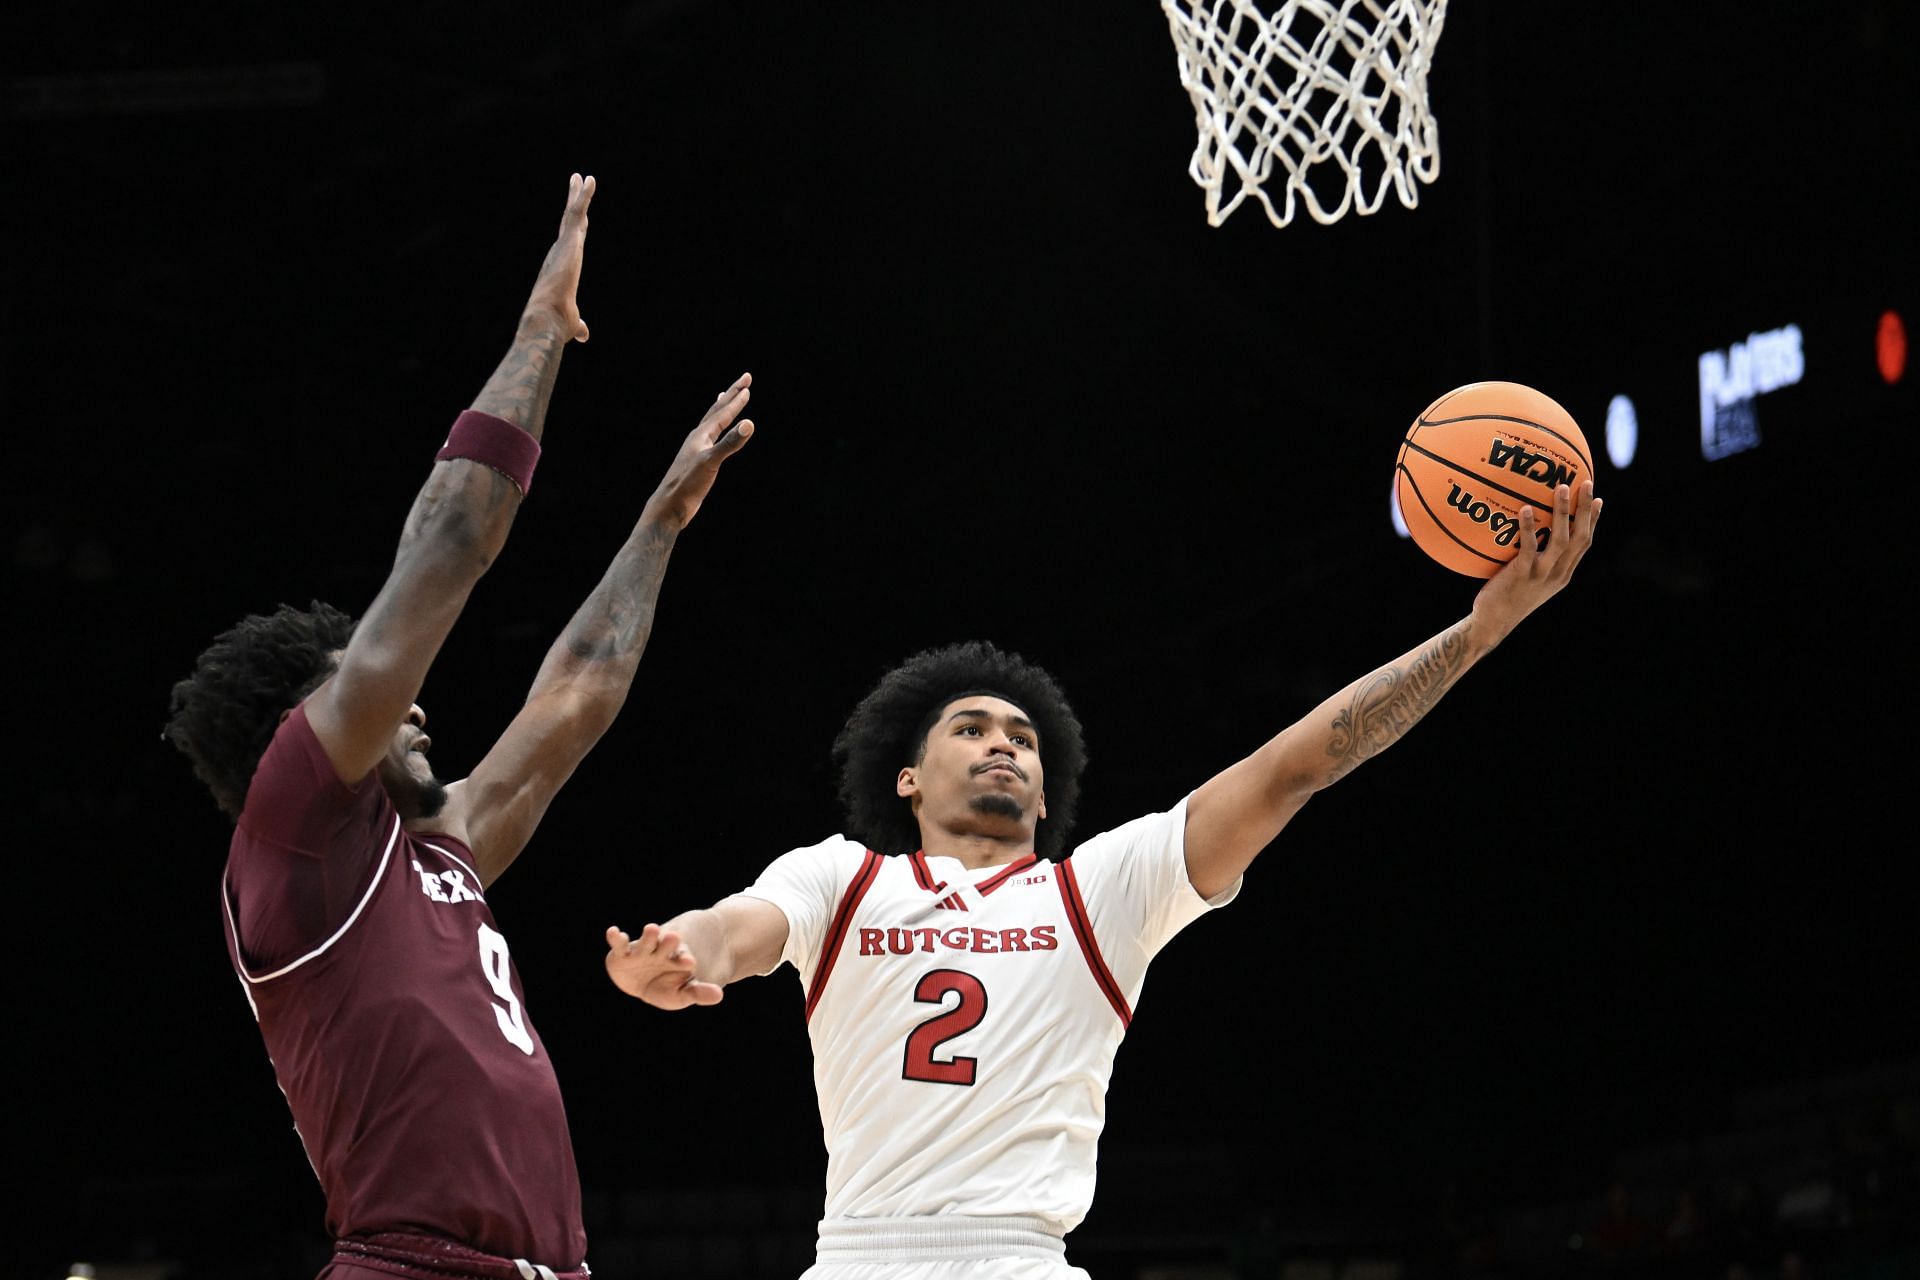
(353, 897)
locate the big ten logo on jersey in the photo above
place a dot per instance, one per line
(445, 886)
(902, 942)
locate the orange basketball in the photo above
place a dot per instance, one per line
(1473, 460)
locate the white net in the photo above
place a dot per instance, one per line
(1329, 95)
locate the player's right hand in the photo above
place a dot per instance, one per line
(657, 967)
(555, 287)
(1538, 571)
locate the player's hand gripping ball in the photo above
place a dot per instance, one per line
(1473, 460)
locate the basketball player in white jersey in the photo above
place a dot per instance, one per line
(965, 994)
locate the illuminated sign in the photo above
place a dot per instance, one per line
(1623, 432)
(1731, 379)
(1890, 348)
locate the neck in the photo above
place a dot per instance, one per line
(976, 849)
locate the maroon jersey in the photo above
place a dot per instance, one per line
(394, 1018)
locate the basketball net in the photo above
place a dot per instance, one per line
(1332, 91)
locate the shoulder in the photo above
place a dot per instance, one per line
(287, 761)
(1164, 831)
(441, 837)
(295, 797)
(835, 852)
(1136, 884)
(813, 874)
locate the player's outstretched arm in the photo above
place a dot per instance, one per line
(690, 958)
(584, 679)
(1238, 812)
(458, 523)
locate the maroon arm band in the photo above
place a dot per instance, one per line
(492, 442)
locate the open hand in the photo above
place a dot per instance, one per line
(554, 288)
(718, 437)
(658, 968)
(1538, 570)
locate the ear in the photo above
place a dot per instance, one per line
(1043, 805)
(906, 784)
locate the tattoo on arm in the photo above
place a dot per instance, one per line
(617, 618)
(1392, 700)
(483, 495)
(522, 385)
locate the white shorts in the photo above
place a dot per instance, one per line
(974, 1269)
(947, 1247)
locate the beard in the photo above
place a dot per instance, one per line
(429, 798)
(414, 797)
(996, 803)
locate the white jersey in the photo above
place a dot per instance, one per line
(964, 1024)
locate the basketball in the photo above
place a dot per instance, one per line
(1473, 460)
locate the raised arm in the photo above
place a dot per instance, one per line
(1238, 812)
(584, 680)
(459, 520)
(690, 958)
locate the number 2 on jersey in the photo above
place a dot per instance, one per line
(494, 963)
(934, 988)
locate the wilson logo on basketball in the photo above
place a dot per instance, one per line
(1534, 466)
(1503, 527)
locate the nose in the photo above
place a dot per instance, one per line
(416, 717)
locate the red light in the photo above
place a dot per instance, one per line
(1891, 347)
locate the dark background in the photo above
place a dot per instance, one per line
(1640, 879)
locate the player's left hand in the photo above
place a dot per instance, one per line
(658, 968)
(555, 289)
(1538, 570)
(717, 438)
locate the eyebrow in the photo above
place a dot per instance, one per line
(976, 713)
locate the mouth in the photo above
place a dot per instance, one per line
(420, 744)
(1001, 766)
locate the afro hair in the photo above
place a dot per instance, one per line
(887, 732)
(223, 715)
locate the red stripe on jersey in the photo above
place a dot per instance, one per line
(1089, 947)
(994, 882)
(922, 873)
(842, 917)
